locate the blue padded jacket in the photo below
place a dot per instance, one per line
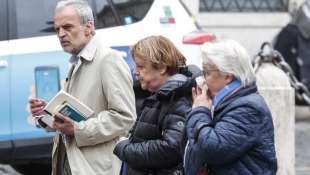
(238, 140)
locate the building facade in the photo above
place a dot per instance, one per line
(250, 22)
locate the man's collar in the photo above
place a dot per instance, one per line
(88, 52)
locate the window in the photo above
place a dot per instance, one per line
(243, 5)
(3, 20)
(29, 18)
(120, 12)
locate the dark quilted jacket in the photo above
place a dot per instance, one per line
(156, 138)
(239, 140)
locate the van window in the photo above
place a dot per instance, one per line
(3, 20)
(121, 12)
(31, 18)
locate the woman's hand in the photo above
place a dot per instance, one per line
(201, 97)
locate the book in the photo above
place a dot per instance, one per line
(68, 105)
(46, 121)
(68, 110)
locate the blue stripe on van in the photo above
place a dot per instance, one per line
(129, 60)
(31, 135)
(26, 135)
(5, 137)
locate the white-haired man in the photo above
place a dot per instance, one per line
(100, 78)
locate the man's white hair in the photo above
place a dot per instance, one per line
(229, 57)
(83, 9)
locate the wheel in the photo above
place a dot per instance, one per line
(33, 169)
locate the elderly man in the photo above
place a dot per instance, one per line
(99, 78)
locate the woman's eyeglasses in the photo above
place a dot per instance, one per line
(207, 72)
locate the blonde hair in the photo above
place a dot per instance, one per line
(160, 51)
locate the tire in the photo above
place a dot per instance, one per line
(33, 169)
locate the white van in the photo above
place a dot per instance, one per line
(27, 41)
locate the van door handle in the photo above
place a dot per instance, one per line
(3, 63)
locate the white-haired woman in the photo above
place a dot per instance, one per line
(230, 129)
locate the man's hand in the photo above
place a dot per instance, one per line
(200, 97)
(64, 124)
(37, 106)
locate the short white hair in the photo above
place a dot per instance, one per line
(83, 9)
(229, 57)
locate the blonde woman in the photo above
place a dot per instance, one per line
(154, 146)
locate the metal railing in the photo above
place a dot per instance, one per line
(243, 5)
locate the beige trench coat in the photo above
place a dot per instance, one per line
(102, 80)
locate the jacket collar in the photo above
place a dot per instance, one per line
(244, 91)
(87, 53)
(173, 82)
(226, 92)
(178, 84)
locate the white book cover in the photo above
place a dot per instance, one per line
(68, 105)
